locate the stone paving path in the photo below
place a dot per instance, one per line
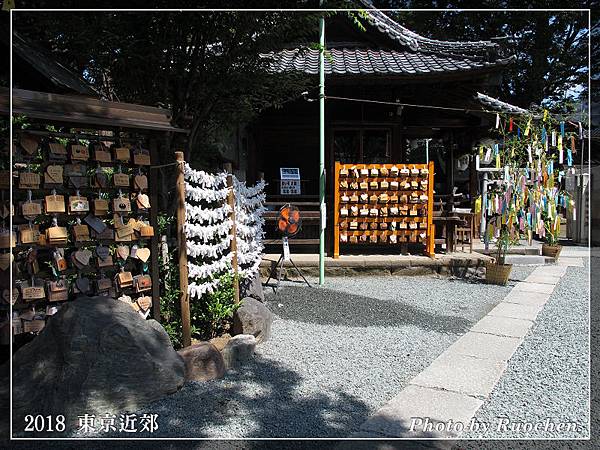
(451, 390)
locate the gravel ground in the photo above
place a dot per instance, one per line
(547, 377)
(337, 354)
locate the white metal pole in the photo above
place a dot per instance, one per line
(483, 224)
(322, 146)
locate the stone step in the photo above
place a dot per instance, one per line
(514, 251)
(528, 259)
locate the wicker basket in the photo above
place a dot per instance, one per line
(553, 251)
(497, 273)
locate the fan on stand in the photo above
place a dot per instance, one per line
(289, 223)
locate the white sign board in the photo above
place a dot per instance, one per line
(290, 181)
(286, 248)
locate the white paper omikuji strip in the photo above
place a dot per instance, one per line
(208, 229)
(251, 204)
(250, 271)
(248, 231)
(204, 179)
(205, 194)
(207, 232)
(197, 290)
(198, 214)
(249, 208)
(248, 191)
(209, 270)
(196, 250)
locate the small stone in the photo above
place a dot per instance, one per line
(220, 341)
(252, 287)
(203, 362)
(239, 350)
(254, 318)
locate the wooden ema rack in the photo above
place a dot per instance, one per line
(415, 227)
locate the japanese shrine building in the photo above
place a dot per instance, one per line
(386, 63)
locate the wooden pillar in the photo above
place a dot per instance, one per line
(430, 246)
(182, 249)
(336, 206)
(233, 246)
(154, 268)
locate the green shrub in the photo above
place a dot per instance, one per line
(210, 316)
(213, 314)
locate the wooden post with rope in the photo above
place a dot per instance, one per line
(182, 249)
(233, 246)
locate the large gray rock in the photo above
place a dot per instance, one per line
(95, 356)
(203, 362)
(254, 318)
(252, 287)
(239, 350)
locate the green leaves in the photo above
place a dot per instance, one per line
(550, 47)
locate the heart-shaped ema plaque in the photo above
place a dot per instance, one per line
(144, 302)
(123, 251)
(143, 254)
(6, 296)
(6, 259)
(83, 257)
(29, 144)
(83, 285)
(55, 172)
(143, 201)
(102, 252)
(141, 182)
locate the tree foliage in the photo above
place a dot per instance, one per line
(550, 47)
(205, 66)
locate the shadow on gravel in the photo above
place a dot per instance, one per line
(331, 307)
(273, 407)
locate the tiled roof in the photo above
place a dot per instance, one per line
(375, 61)
(416, 42)
(498, 105)
(408, 53)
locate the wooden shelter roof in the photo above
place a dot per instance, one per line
(47, 67)
(75, 109)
